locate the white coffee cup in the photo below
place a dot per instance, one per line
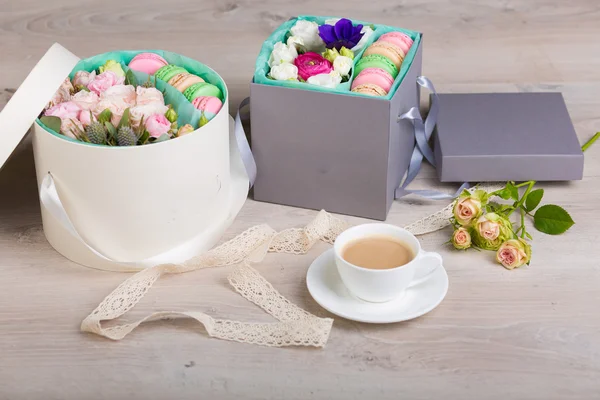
(380, 285)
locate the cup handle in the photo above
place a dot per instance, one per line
(430, 262)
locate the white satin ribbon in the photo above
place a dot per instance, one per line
(243, 145)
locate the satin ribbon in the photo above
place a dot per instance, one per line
(423, 131)
(243, 145)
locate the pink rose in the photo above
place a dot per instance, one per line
(466, 209)
(67, 110)
(117, 99)
(138, 112)
(514, 253)
(62, 94)
(157, 125)
(86, 117)
(122, 94)
(85, 100)
(104, 81)
(83, 78)
(148, 96)
(310, 64)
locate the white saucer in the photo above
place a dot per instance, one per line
(326, 287)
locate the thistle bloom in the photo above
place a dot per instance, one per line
(342, 34)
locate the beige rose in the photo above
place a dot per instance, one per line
(461, 239)
(466, 209)
(149, 95)
(71, 127)
(136, 113)
(117, 99)
(85, 100)
(513, 253)
(488, 229)
(83, 78)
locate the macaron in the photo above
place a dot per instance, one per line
(376, 76)
(169, 71)
(388, 50)
(148, 63)
(400, 39)
(184, 80)
(202, 89)
(210, 105)
(376, 61)
(370, 89)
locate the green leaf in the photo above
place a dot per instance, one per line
(112, 131)
(162, 138)
(130, 78)
(533, 199)
(51, 123)
(552, 219)
(513, 190)
(105, 116)
(144, 137)
(528, 236)
(124, 119)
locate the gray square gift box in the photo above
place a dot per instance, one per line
(349, 154)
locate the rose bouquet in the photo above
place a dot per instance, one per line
(482, 223)
(114, 105)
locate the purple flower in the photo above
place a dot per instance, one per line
(343, 34)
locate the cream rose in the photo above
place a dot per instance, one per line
(466, 209)
(284, 72)
(461, 239)
(149, 95)
(514, 253)
(85, 100)
(282, 54)
(488, 230)
(83, 78)
(138, 112)
(308, 31)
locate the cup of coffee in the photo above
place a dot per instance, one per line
(378, 262)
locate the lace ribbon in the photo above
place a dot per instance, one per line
(295, 326)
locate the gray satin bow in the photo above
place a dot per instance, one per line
(423, 132)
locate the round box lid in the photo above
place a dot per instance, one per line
(32, 96)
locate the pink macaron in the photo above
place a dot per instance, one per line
(208, 104)
(376, 76)
(400, 39)
(148, 63)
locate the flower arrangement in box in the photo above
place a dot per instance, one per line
(135, 98)
(338, 55)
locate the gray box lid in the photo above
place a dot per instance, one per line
(506, 136)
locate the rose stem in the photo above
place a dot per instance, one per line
(590, 142)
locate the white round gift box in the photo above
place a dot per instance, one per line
(127, 208)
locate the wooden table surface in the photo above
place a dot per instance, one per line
(532, 333)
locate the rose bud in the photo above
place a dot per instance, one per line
(514, 253)
(184, 130)
(461, 239)
(171, 115)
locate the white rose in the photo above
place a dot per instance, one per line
(330, 80)
(282, 54)
(284, 72)
(343, 65)
(295, 41)
(332, 21)
(367, 33)
(136, 113)
(309, 32)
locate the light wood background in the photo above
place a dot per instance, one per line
(532, 333)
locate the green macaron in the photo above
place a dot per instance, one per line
(202, 89)
(376, 61)
(168, 71)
